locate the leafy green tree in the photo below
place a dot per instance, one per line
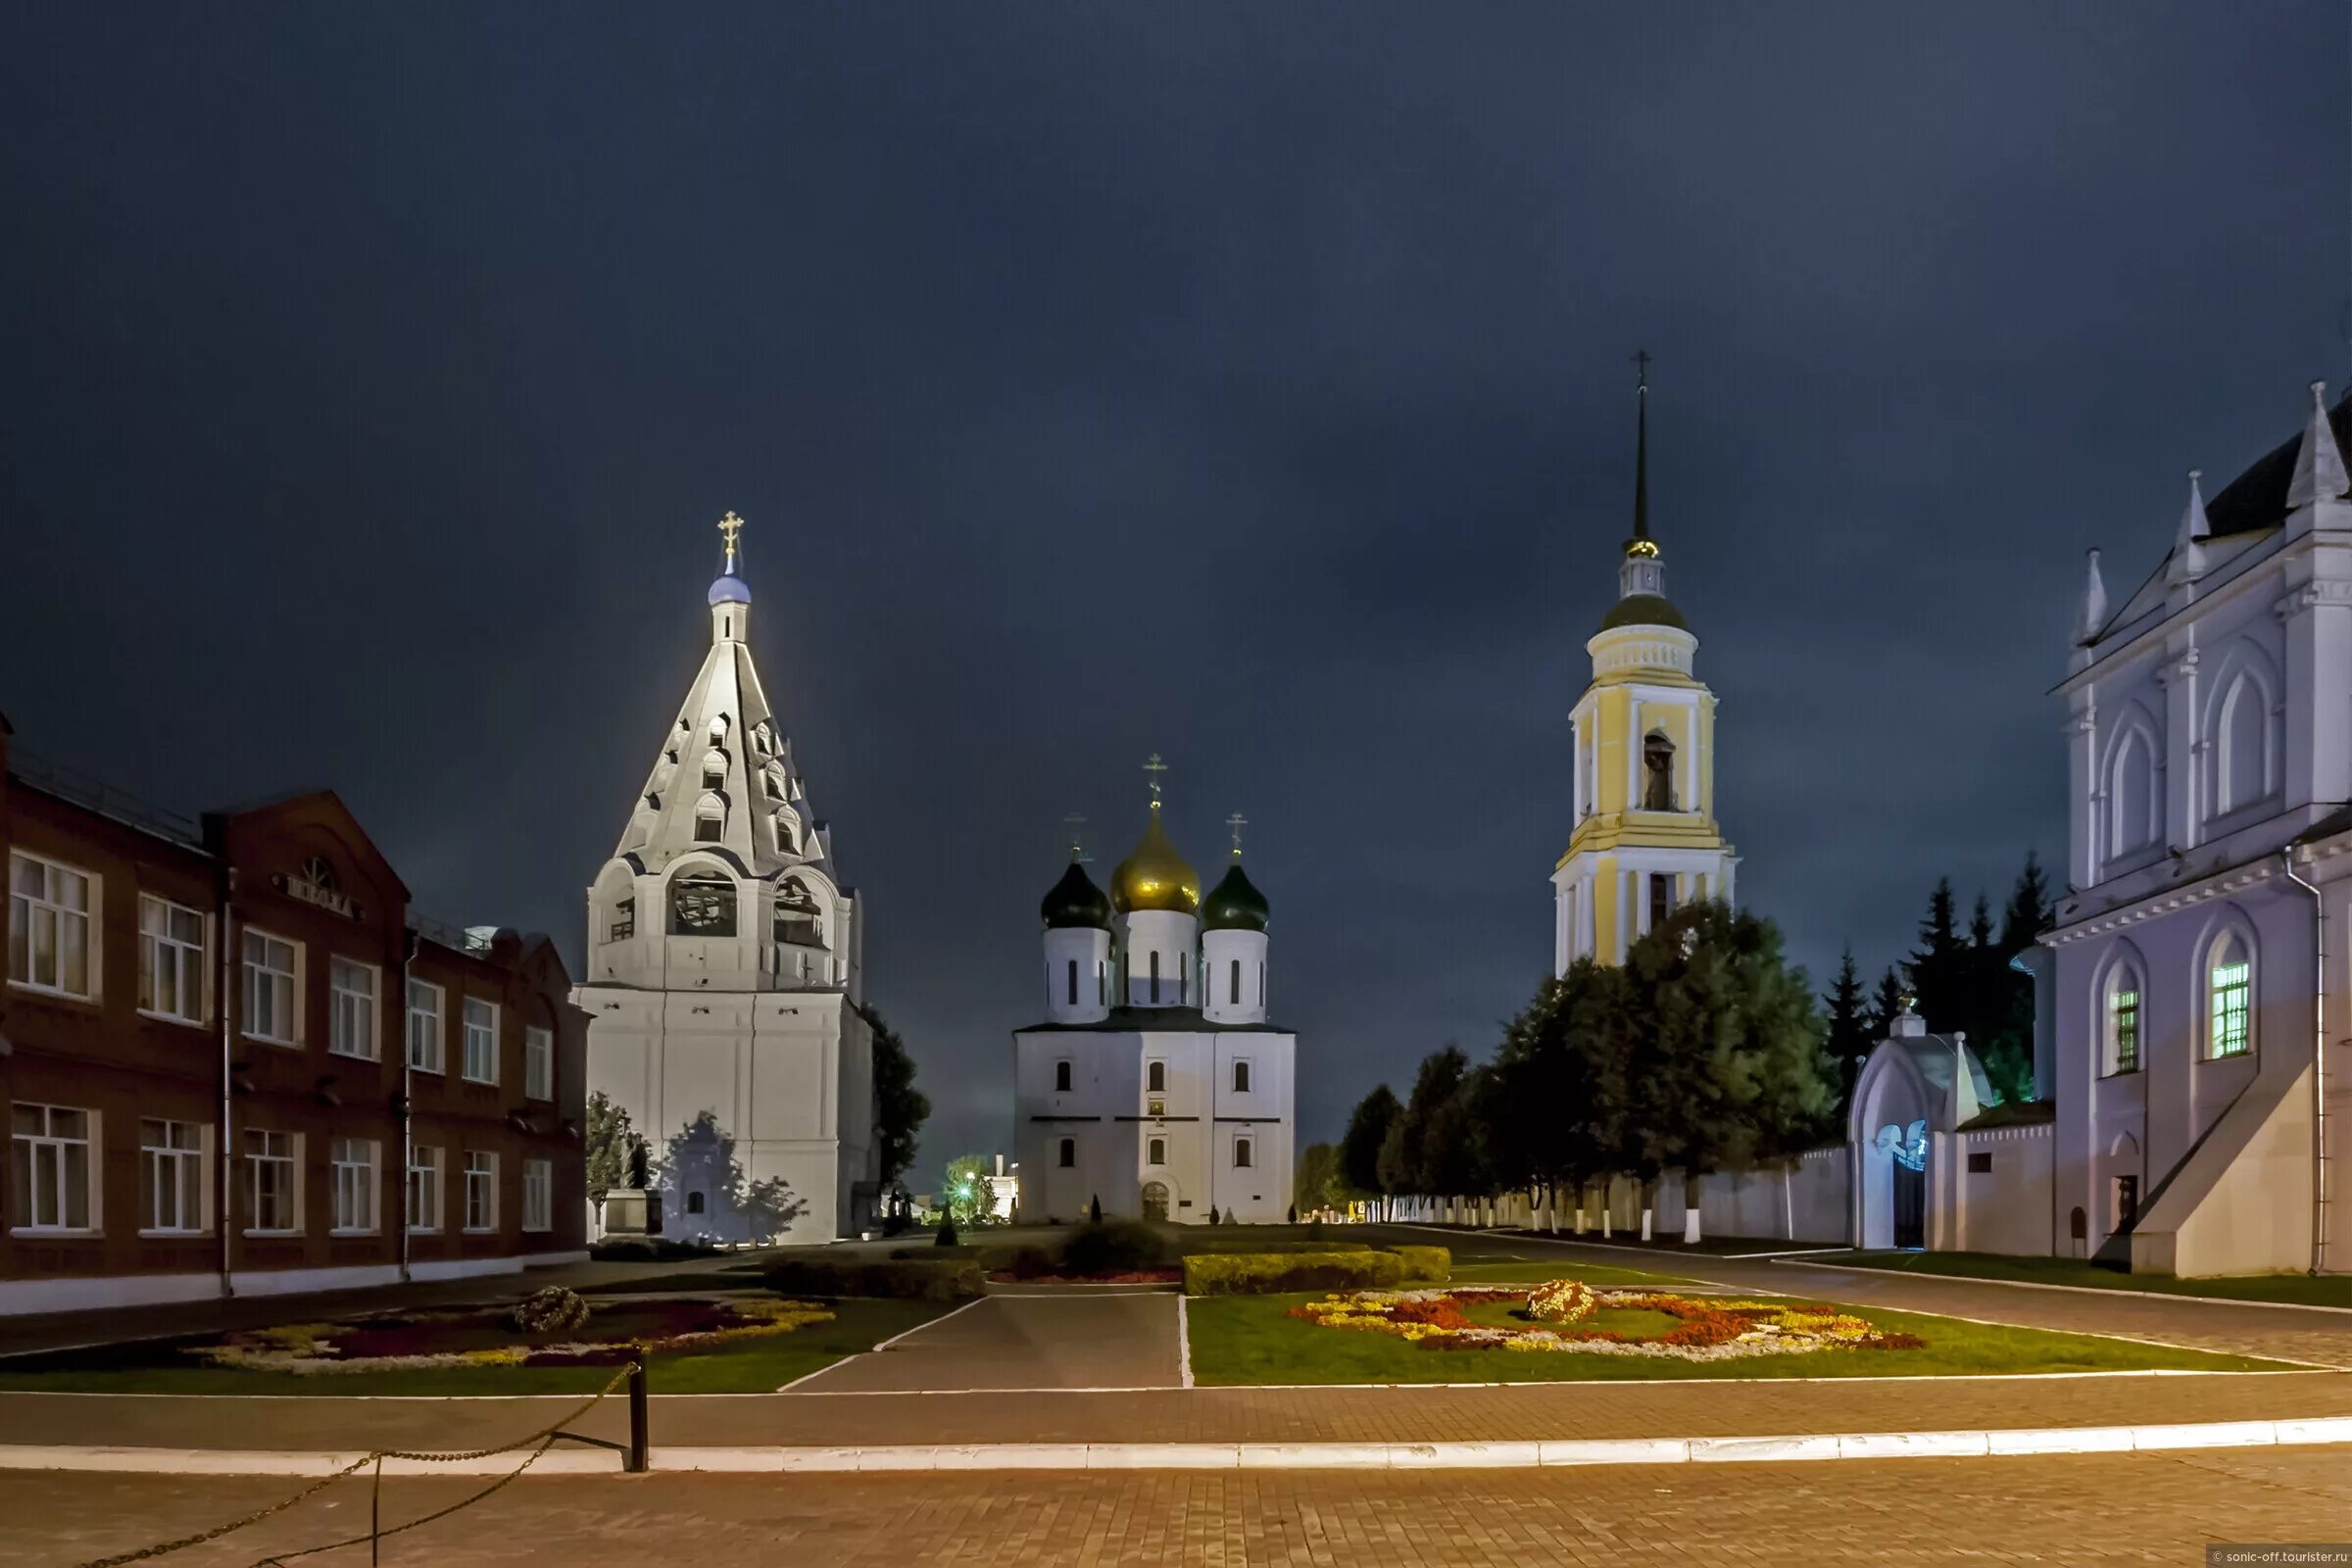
(964, 1195)
(607, 1140)
(1733, 1072)
(1559, 1110)
(1403, 1164)
(1359, 1146)
(1850, 1038)
(900, 1108)
(1316, 1178)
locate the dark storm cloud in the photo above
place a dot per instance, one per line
(1245, 385)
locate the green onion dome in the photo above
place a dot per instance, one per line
(1075, 902)
(1233, 903)
(1154, 876)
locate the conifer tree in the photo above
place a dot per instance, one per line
(1887, 1002)
(1359, 1146)
(1850, 1038)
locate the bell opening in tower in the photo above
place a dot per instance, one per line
(1657, 768)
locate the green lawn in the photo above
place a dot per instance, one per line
(747, 1366)
(1248, 1340)
(2300, 1290)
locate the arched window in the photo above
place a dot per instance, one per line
(2241, 732)
(714, 769)
(1237, 982)
(1156, 1078)
(1073, 982)
(799, 918)
(1155, 1151)
(1156, 975)
(702, 904)
(719, 729)
(1069, 1152)
(2229, 995)
(2120, 1003)
(2134, 798)
(709, 819)
(773, 780)
(1657, 773)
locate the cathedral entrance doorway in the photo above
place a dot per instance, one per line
(1155, 1201)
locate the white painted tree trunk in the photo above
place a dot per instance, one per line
(1690, 1226)
(1646, 1215)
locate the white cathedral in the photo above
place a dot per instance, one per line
(724, 976)
(1157, 1085)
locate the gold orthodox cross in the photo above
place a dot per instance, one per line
(729, 526)
(1237, 821)
(1153, 769)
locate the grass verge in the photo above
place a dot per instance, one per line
(2297, 1290)
(747, 1366)
(1248, 1340)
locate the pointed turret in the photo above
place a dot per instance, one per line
(2092, 614)
(2189, 546)
(2319, 463)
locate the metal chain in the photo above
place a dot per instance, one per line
(545, 1437)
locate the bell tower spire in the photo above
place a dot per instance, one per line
(1641, 572)
(730, 595)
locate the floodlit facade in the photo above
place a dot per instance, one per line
(724, 973)
(1643, 784)
(1158, 1084)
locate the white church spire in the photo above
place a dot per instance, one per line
(2188, 547)
(2319, 463)
(2091, 614)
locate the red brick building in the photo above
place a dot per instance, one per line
(235, 1062)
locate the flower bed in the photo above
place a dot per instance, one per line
(485, 1336)
(1706, 1329)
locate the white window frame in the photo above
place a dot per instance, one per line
(538, 1194)
(487, 1038)
(1244, 1152)
(481, 1180)
(538, 1062)
(1155, 1151)
(1244, 1075)
(252, 973)
(1065, 1076)
(173, 1160)
(358, 1205)
(275, 1150)
(29, 908)
(354, 1018)
(435, 1035)
(425, 1192)
(167, 951)
(47, 1148)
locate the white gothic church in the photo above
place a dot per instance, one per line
(724, 976)
(1158, 1085)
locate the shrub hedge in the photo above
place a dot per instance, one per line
(1273, 1273)
(949, 1280)
(1112, 1249)
(1425, 1262)
(646, 1249)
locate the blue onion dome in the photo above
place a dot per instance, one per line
(1233, 903)
(1075, 902)
(1154, 876)
(730, 589)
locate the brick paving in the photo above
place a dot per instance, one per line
(1039, 1338)
(2123, 1509)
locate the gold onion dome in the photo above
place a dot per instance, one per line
(1153, 876)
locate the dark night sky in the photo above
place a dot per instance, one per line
(1246, 383)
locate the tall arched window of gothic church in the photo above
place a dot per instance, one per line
(2134, 792)
(2121, 998)
(702, 904)
(2243, 732)
(2229, 995)
(1657, 772)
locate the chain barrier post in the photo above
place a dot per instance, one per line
(636, 1464)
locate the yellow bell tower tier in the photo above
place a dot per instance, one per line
(1645, 838)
